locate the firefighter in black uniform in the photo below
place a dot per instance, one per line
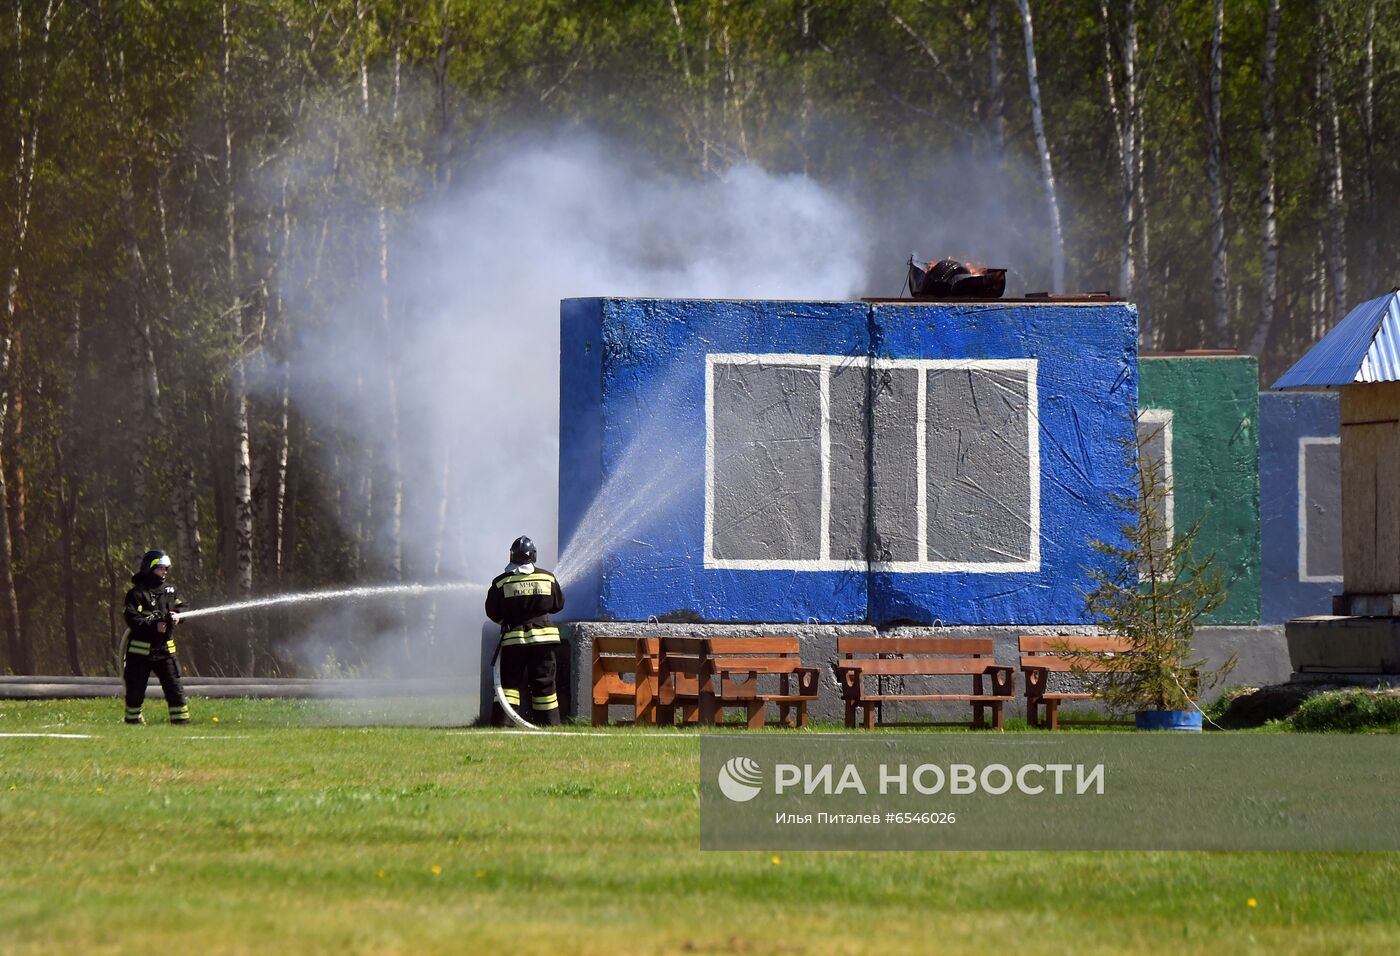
(152, 609)
(521, 600)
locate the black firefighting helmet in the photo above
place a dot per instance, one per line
(154, 559)
(522, 551)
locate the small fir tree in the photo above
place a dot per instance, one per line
(1151, 593)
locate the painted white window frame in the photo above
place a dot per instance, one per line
(824, 364)
(1163, 419)
(1303, 444)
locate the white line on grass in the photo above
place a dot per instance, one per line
(64, 736)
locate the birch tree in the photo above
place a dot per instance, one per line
(238, 397)
(1332, 175)
(1042, 145)
(1268, 198)
(996, 83)
(1368, 164)
(1125, 136)
(28, 111)
(1215, 179)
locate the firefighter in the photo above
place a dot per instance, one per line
(152, 610)
(521, 600)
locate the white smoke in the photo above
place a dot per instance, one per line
(477, 275)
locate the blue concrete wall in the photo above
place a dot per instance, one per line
(1284, 419)
(644, 380)
(1087, 385)
(633, 435)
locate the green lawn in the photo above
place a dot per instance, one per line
(271, 829)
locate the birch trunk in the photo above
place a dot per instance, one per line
(1125, 136)
(1042, 145)
(440, 537)
(16, 501)
(1332, 158)
(390, 344)
(112, 599)
(996, 82)
(1215, 179)
(442, 166)
(1152, 332)
(67, 501)
(1368, 163)
(242, 455)
(184, 498)
(27, 125)
(1268, 198)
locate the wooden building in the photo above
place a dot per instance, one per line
(1360, 358)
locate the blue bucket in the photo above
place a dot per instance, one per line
(1187, 720)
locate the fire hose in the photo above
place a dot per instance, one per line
(515, 718)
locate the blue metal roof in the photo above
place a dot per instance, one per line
(1364, 347)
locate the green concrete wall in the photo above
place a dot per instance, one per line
(1215, 460)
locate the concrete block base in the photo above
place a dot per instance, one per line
(1366, 605)
(1260, 652)
(1332, 644)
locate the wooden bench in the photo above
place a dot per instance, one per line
(865, 658)
(1041, 656)
(614, 657)
(703, 675)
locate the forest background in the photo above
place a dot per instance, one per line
(217, 320)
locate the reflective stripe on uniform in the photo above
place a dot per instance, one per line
(170, 646)
(531, 635)
(133, 711)
(515, 589)
(139, 647)
(512, 696)
(532, 576)
(548, 702)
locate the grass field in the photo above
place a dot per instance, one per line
(269, 830)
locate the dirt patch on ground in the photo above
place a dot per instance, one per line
(1256, 706)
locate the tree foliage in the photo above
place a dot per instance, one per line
(142, 277)
(1151, 591)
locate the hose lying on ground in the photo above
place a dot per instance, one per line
(515, 718)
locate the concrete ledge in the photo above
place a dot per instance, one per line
(1261, 652)
(62, 688)
(1330, 644)
(1366, 605)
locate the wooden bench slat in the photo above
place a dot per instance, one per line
(913, 645)
(1063, 664)
(920, 666)
(1059, 645)
(767, 665)
(754, 645)
(619, 645)
(1004, 698)
(685, 645)
(616, 665)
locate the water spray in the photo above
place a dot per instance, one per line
(307, 597)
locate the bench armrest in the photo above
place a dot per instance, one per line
(1003, 678)
(806, 679)
(848, 679)
(1037, 678)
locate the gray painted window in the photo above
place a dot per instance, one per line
(767, 423)
(1320, 509)
(1154, 439)
(790, 441)
(978, 470)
